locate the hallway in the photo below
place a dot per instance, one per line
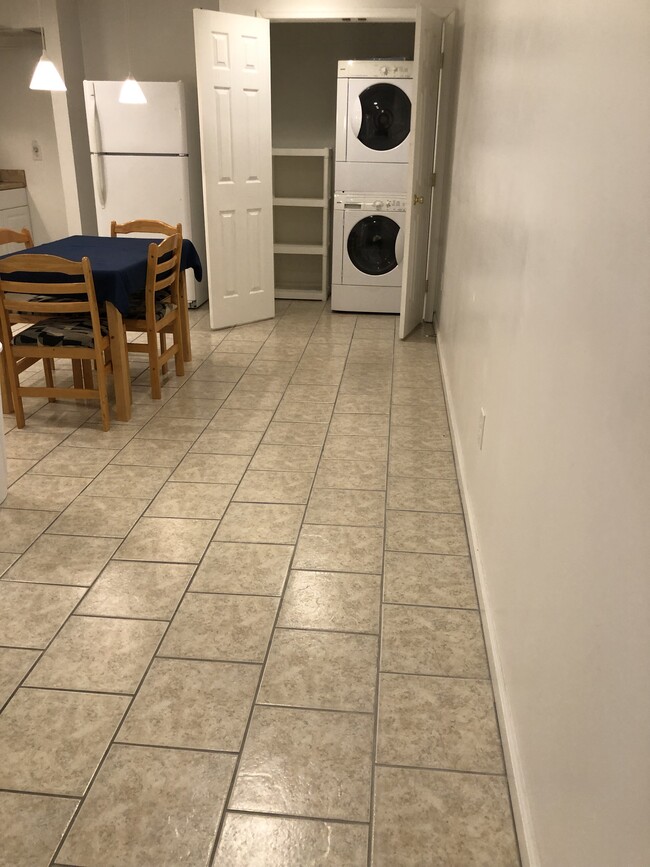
(242, 629)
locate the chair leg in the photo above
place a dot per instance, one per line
(179, 361)
(5, 386)
(49, 376)
(163, 348)
(154, 367)
(103, 395)
(77, 373)
(87, 368)
(14, 385)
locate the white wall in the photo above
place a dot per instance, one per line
(27, 115)
(545, 322)
(303, 73)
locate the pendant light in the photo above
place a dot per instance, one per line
(46, 75)
(131, 92)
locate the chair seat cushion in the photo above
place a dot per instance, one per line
(137, 309)
(59, 331)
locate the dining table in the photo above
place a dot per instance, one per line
(119, 267)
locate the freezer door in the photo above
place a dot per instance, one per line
(158, 127)
(149, 188)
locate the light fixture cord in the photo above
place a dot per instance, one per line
(40, 18)
(127, 35)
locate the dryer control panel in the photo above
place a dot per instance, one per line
(375, 68)
(373, 202)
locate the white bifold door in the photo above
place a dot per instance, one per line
(234, 93)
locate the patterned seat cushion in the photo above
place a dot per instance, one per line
(59, 331)
(137, 309)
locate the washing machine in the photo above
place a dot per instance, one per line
(373, 125)
(367, 252)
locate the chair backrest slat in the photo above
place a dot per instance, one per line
(151, 227)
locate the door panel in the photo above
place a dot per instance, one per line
(428, 37)
(234, 94)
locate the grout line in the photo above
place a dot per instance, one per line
(439, 769)
(266, 814)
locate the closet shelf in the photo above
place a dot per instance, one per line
(300, 249)
(302, 178)
(286, 202)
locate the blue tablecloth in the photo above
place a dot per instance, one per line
(119, 265)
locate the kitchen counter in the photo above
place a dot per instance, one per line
(12, 179)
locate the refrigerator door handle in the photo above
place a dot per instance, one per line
(98, 157)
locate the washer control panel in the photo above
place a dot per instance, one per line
(375, 69)
(349, 201)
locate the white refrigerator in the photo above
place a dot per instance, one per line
(141, 165)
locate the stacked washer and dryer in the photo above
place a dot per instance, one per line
(373, 125)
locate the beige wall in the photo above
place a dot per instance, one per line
(545, 324)
(27, 115)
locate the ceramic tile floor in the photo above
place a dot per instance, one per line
(242, 629)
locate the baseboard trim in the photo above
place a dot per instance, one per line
(514, 770)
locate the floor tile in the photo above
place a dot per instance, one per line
(357, 508)
(412, 463)
(311, 393)
(32, 827)
(191, 500)
(441, 641)
(339, 549)
(93, 437)
(290, 458)
(438, 722)
(424, 495)
(442, 819)
(167, 805)
(152, 453)
(93, 516)
(53, 741)
(6, 560)
(227, 442)
(253, 400)
(351, 475)
(260, 522)
(274, 487)
(426, 532)
(295, 434)
(168, 540)
(306, 763)
(25, 444)
(14, 665)
(346, 448)
(301, 412)
(221, 627)
(362, 403)
(181, 406)
(180, 429)
(63, 560)
(101, 654)
(241, 419)
(192, 704)
(429, 579)
(328, 670)
(44, 492)
(17, 467)
(412, 437)
(332, 600)
(20, 527)
(359, 425)
(30, 614)
(274, 841)
(205, 390)
(125, 481)
(217, 469)
(236, 567)
(128, 589)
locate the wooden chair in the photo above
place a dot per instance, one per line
(159, 312)
(158, 227)
(9, 236)
(66, 324)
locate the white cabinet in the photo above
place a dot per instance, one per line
(301, 222)
(14, 214)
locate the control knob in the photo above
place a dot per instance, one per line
(383, 70)
(378, 204)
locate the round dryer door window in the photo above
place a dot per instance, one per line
(371, 245)
(385, 117)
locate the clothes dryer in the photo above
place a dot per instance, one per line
(373, 125)
(367, 252)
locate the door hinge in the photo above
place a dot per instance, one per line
(442, 59)
(433, 179)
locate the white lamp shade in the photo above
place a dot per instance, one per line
(46, 76)
(131, 92)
